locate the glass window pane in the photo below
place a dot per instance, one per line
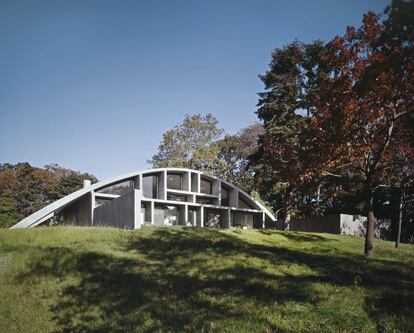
(150, 187)
(119, 189)
(243, 204)
(174, 197)
(225, 196)
(206, 201)
(206, 186)
(174, 181)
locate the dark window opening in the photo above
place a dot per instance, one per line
(175, 181)
(175, 197)
(206, 201)
(150, 186)
(206, 186)
(225, 197)
(244, 204)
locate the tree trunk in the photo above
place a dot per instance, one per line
(369, 235)
(286, 218)
(400, 216)
(287, 210)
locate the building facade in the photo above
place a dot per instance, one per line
(159, 197)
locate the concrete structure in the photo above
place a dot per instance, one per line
(167, 196)
(344, 224)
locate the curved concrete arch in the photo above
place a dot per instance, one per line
(47, 212)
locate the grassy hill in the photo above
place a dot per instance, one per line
(68, 279)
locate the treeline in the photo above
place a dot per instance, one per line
(25, 189)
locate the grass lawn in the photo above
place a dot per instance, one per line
(67, 279)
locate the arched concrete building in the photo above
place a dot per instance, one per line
(167, 196)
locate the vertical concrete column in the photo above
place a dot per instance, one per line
(226, 218)
(263, 220)
(137, 209)
(186, 181)
(186, 214)
(92, 205)
(202, 217)
(198, 182)
(193, 215)
(152, 212)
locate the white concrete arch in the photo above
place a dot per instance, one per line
(82, 203)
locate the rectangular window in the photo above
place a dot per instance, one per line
(242, 220)
(174, 197)
(175, 181)
(206, 186)
(243, 204)
(119, 189)
(212, 218)
(150, 186)
(225, 197)
(206, 201)
(146, 212)
(99, 202)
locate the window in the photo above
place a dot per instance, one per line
(206, 186)
(206, 201)
(174, 197)
(100, 202)
(150, 186)
(119, 189)
(225, 197)
(242, 220)
(146, 212)
(243, 204)
(166, 215)
(212, 218)
(194, 182)
(175, 181)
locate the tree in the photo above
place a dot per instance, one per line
(192, 144)
(25, 189)
(68, 180)
(234, 153)
(284, 110)
(359, 113)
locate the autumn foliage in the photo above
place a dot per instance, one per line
(343, 111)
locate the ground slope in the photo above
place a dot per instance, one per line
(68, 279)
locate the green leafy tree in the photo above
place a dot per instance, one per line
(68, 180)
(234, 153)
(191, 144)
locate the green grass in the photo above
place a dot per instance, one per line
(68, 279)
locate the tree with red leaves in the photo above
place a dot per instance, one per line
(359, 117)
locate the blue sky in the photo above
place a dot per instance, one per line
(93, 84)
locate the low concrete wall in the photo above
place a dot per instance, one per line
(330, 224)
(118, 212)
(344, 224)
(354, 225)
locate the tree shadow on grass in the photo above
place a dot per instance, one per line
(190, 280)
(297, 237)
